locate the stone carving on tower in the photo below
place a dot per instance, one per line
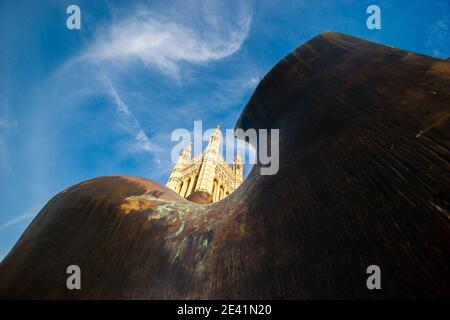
(207, 172)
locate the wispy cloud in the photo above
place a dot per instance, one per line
(127, 117)
(251, 83)
(168, 40)
(164, 41)
(20, 218)
(439, 34)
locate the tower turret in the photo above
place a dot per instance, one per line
(176, 175)
(214, 141)
(186, 154)
(238, 170)
(207, 171)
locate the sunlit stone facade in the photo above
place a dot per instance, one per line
(207, 172)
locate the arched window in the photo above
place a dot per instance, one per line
(214, 190)
(221, 193)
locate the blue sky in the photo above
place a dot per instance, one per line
(76, 104)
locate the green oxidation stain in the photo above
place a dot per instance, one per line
(200, 256)
(169, 207)
(180, 248)
(166, 208)
(180, 229)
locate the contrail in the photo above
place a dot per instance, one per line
(128, 117)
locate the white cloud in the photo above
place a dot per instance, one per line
(15, 220)
(439, 34)
(251, 83)
(20, 218)
(165, 41)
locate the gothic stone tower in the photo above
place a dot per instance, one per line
(208, 172)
